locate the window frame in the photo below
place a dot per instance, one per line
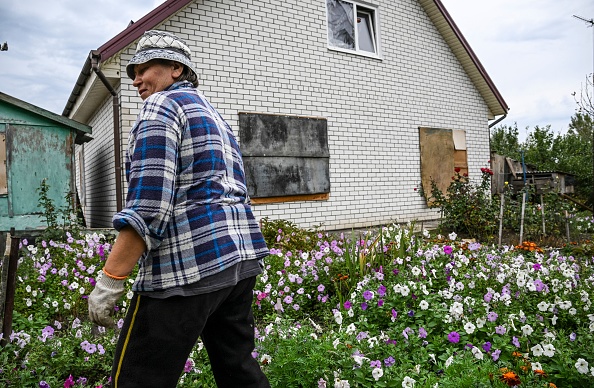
(359, 7)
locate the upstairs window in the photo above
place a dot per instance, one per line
(352, 27)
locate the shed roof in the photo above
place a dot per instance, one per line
(434, 9)
(83, 131)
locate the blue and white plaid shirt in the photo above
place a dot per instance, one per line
(187, 195)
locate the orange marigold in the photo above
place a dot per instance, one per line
(510, 378)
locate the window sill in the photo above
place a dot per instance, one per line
(358, 53)
(291, 198)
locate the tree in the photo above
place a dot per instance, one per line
(504, 141)
(582, 124)
(538, 148)
(574, 155)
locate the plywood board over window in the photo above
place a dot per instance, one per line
(443, 151)
(286, 158)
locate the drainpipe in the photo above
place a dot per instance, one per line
(95, 59)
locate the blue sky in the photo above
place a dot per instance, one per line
(535, 51)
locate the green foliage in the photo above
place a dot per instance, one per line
(284, 234)
(505, 141)
(59, 220)
(391, 329)
(466, 207)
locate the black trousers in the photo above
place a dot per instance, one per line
(159, 334)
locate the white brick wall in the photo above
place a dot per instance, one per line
(272, 57)
(100, 202)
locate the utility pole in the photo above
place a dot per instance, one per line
(590, 23)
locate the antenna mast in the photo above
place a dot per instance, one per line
(590, 23)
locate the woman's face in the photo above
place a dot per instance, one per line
(154, 76)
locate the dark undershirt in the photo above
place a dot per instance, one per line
(226, 278)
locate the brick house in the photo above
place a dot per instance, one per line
(341, 107)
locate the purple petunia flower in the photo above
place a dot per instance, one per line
(422, 332)
(188, 366)
(500, 330)
(572, 337)
(454, 337)
(488, 296)
(363, 306)
(516, 342)
(492, 316)
(389, 361)
(375, 364)
(406, 331)
(495, 354)
(69, 382)
(368, 295)
(43, 384)
(381, 291)
(394, 314)
(448, 250)
(487, 346)
(347, 305)
(361, 335)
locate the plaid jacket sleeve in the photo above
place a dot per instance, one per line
(151, 167)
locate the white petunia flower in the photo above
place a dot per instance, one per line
(582, 366)
(469, 327)
(449, 361)
(424, 305)
(549, 350)
(537, 350)
(408, 382)
(527, 330)
(338, 317)
(543, 306)
(377, 373)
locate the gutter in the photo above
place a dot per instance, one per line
(85, 73)
(497, 121)
(95, 58)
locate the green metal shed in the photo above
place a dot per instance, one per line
(35, 144)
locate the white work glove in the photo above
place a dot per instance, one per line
(103, 299)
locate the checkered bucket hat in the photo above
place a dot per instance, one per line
(163, 45)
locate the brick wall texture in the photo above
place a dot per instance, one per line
(272, 56)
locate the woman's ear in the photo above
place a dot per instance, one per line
(177, 70)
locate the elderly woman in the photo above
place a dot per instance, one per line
(189, 226)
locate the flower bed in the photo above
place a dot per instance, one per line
(377, 309)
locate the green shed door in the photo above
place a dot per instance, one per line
(35, 153)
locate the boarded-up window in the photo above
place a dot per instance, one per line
(442, 151)
(285, 157)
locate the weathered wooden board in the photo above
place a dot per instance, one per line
(284, 155)
(276, 135)
(284, 176)
(437, 158)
